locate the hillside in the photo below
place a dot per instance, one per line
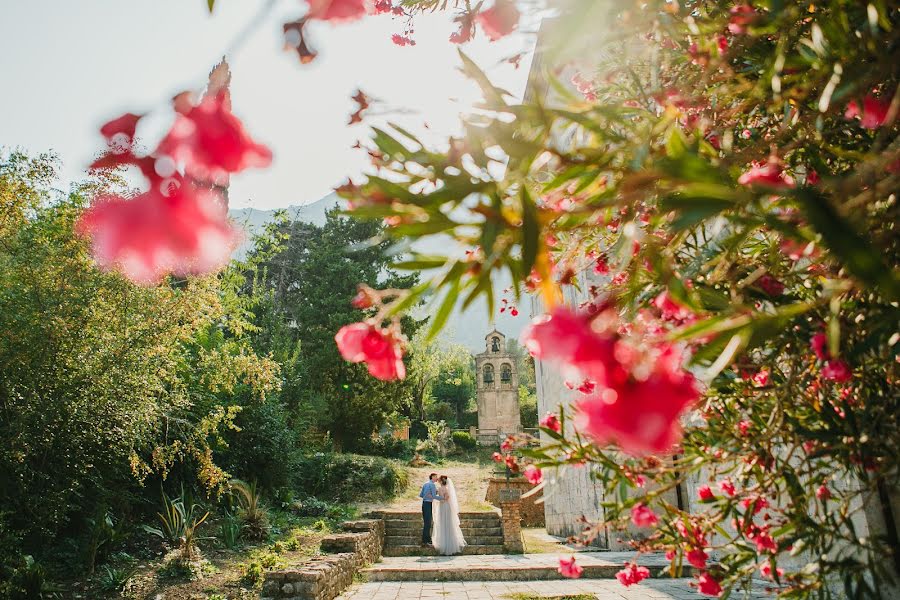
(468, 328)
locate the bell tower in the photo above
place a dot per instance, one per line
(497, 387)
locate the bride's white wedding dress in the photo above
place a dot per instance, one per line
(448, 537)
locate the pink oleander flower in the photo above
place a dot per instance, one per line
(640, 415)
(697, 558)
(632, 574)
(500, 20)
(177, 228)
(402, 40)
(497, 457)
(766, 570)
(727, 486)
(819, 344)
(568, 568)
(761, 378)
(551, 422)
(672, 310)
(769, 174)
(119, 133)
(533, 474)
(741, 16)
(709, 585)
(212, 142)
(643, 516)
(640, 390)
(822, 492)
(337, 11)
(744, 427)
(764, 542)
(873, 114)
(378, 348)
(705, 493)
(770, 285)
(837, 370)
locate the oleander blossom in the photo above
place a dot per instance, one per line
(873, 114)
(212, 142)
(500, 20)
(533, 474)
(182, 230)
(337, 11)
(643, 516)
(551, 422)
(380, 349)
(769, 174)
(632, 574)
(709, 585)
(640, 388)
(568, 568)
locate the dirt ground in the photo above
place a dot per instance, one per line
(469, 478)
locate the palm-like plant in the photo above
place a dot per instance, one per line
(179, 525)
(253, 514)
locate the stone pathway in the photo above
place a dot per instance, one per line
(649, 589)
(503, 567)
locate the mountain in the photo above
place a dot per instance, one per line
(468, 328)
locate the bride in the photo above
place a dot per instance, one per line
(448, 537)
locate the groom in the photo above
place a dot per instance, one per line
(428, 495)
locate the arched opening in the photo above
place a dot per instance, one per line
(488, 375)
(505, 373)
(495, 344)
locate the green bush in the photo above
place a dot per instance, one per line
(387, 446)
(464, 440)
(263, 448)
(349, 477)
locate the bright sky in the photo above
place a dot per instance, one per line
(70, 66)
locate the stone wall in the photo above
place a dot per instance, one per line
(532, 511)
(325, 576)
(511, 521)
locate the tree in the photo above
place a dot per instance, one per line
(437, 366)
(309, 275)
(104, 385)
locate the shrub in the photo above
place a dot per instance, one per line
(179, 525)
(230, 530)
(349, 477)
(263, 447)
(387, 446)
(464, 440)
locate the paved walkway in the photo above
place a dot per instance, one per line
(602, 589)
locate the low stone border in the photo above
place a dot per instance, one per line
(325, 576)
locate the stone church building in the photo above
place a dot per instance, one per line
(497, 388)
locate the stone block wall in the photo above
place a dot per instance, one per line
(531, 510)
(326, 576)
(511, 521)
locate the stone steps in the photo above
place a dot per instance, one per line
(417, 550)
(411, 528)
(403, 532)
(527, 567)
(415, 538)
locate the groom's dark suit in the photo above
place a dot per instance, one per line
(428, 495)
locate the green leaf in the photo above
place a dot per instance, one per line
(860, 258)
(388, 144)
(492, 94)
(530, 232)
(443, 313)
(210, 4)
(676, 144)
(421, 263)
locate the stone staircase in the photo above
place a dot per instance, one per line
(403, 533)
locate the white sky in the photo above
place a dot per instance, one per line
(69, 66)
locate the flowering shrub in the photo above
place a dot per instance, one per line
(720, 186)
